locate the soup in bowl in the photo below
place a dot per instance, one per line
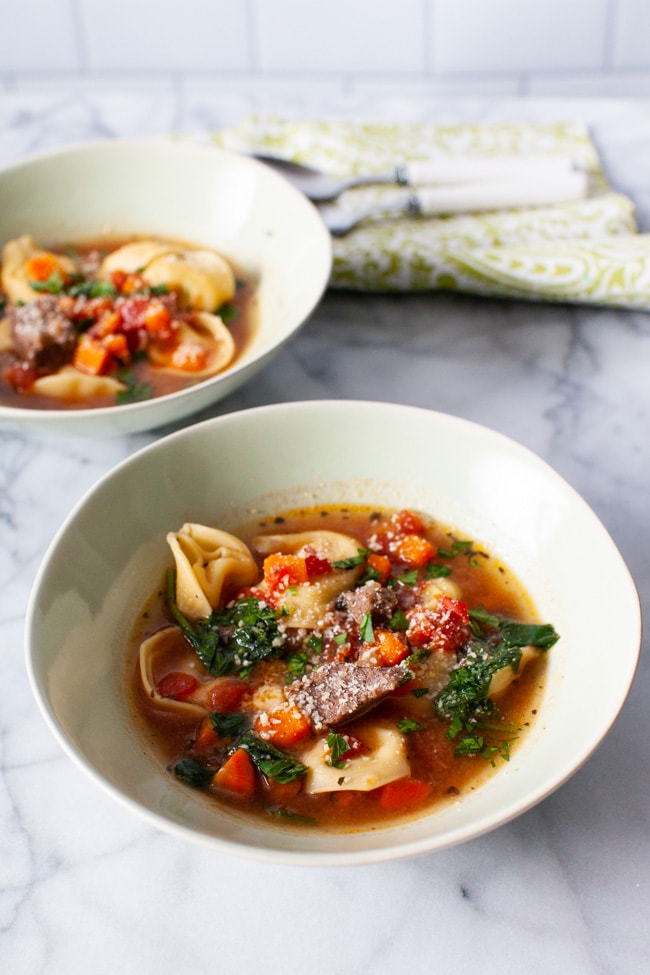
(158, 278)
(308, 655)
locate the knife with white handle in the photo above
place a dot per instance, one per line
(465, 198)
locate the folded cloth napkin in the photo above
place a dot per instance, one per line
(589, 251)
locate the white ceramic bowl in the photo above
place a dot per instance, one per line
(181, 190)
(106, 560)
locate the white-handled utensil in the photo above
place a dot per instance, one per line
(466, 198)
(321, 188)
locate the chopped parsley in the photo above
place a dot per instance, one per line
(457, 546)
(296, 666)
(366, 629)
(338, 747)
(398, 621)
(353, 561)
(407, 725)
(135, 392)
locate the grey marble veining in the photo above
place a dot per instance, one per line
(85, 886)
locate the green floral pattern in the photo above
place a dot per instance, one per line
(589, 251)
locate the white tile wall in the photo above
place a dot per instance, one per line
(38, 36)
(341, 36)
(171, 36)
(509, 36)
(631, 47)
(446, 46)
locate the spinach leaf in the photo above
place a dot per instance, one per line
(192, 772)
(232, 639)
(272, 762)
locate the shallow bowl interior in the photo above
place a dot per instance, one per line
(176, 189)
(107, 558)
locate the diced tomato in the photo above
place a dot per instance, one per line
(316, 566)
(389, 648)
(283, 571)
(91, 356)
(380, 564)
(237, 774)
(177, 685)
(20, 377)
(227, 694)
(403, 793)
(117, 279)
(283, 726)
(132, 311)
(414, 550)
(407, 523)
(445, 627)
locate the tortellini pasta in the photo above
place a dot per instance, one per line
(209, 563)
(385, 762)
(212, 336)
(152, 650)
(304, 605)
(203, 276)
(75, 386)
(504, 677)
(15, 279)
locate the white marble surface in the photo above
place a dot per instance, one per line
(86, 887)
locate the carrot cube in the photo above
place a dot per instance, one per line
(237, 774)
(403, 793)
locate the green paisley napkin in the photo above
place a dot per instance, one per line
(588, 251)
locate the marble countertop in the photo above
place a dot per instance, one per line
(86, 886)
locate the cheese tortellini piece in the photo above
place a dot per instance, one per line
(153, 652)
(503, 678)
(304, 605)
(15, 279)
(385, 762)
(210, 564)
(207, 333)
(71, 384)
(204, 277)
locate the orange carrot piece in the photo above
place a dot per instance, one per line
(284, 570)
(207, 737)
(157, 320)
(415, 550)
(283, 726)
(237, 774)
(403, 793)
(41, 267)
(91, 356)
(189, 357)
(389, 649)
(381, 565)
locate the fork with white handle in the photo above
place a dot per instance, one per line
(320, 187)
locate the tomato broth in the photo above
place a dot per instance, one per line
(439, 611)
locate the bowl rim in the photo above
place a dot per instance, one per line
(112, 415)
(452, 837)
